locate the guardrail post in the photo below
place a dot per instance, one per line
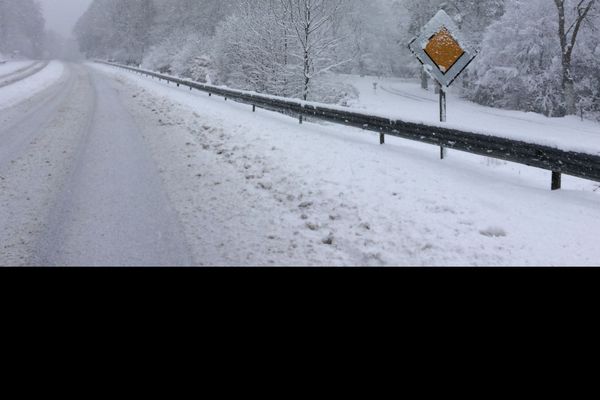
(556, 180)
(301, 118)
(442, 152)
(253, 108)
(381, 138)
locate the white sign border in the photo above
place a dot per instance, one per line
(418, 44)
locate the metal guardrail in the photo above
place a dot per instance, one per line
(581, 165)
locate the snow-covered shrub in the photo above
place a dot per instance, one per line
(198, 68)
(500, 86)
(193, 59)
(331, 92)
(587, 75)
(517, 67)
(160, 57)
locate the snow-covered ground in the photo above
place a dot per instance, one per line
(28, 87)
(257, 188)
(11, 67)
(39, 137)
(404, 99)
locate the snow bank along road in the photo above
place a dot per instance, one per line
(105, 167)
(22, 73)
(13, 67)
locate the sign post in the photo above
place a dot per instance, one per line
(444, 54)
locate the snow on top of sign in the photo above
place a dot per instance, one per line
(439, 21)
(447, 67)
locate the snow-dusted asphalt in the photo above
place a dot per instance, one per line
(104, 167)
(79, 186)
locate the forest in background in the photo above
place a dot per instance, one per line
(23, 34)
(534, 55)
(21, 28)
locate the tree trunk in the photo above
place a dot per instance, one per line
(570, 98)
(567, 45)
(285, 63)
(307, 57)
(306, 75)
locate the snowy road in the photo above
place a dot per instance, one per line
(103, 167)
(99, 199)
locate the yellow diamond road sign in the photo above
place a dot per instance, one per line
(442, 50)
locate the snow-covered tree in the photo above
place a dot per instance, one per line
(116, 29)
(312, 25)
(531, 60)
(571, 16)
(535, 55)
(517, 67)
(21, 28)
(253, 48)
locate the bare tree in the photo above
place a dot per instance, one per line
(568, 33)
(312, 22)
(253, 47)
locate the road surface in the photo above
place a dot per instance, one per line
(100, 166)
(79, 186)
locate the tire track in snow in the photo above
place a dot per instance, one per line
(23, 122)
(113, 209)
(45, 130)
(25, 68)
(16, 77)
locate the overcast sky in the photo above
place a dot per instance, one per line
(61, 15)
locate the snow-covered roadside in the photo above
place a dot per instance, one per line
(403, 99)
(14, 66)
(21, 90)
(399, 98)
(228, 214)
(255, 188)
